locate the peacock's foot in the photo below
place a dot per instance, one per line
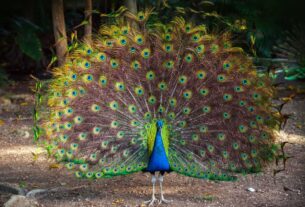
(151, 201)
(163, 200)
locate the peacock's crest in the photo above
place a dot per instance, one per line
(99, 113)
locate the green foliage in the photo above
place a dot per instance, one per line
(294, 73)
(207, 197)
(22, 184)
(30, 45)
(292, 48)
(265, 19)
(3, 77)
(27, 39)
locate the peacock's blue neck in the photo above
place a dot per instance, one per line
(158, 160)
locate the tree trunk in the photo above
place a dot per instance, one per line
(59, 30)
(88, 17)
(131, 6)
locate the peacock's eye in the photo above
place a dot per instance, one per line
(123, 42)
(103, 57)
(87, 64)
(132, 50)
(168, 37)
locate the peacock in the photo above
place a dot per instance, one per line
(158, 98)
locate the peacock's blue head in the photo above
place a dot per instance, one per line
(159, 124)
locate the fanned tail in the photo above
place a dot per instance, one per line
(99, 112)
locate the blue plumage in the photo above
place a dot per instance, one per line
(158, 160)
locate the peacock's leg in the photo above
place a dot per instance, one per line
(153, 198)
(162, 195)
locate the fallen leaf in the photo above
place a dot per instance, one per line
(299, 125)
(35, 156)
(300, 91)
(291, 87)
(54, 166)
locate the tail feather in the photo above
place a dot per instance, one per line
(103, 103)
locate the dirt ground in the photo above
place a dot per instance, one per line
(19, 168)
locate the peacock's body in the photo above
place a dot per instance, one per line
(157, 97)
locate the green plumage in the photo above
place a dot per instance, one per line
(98, 114)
